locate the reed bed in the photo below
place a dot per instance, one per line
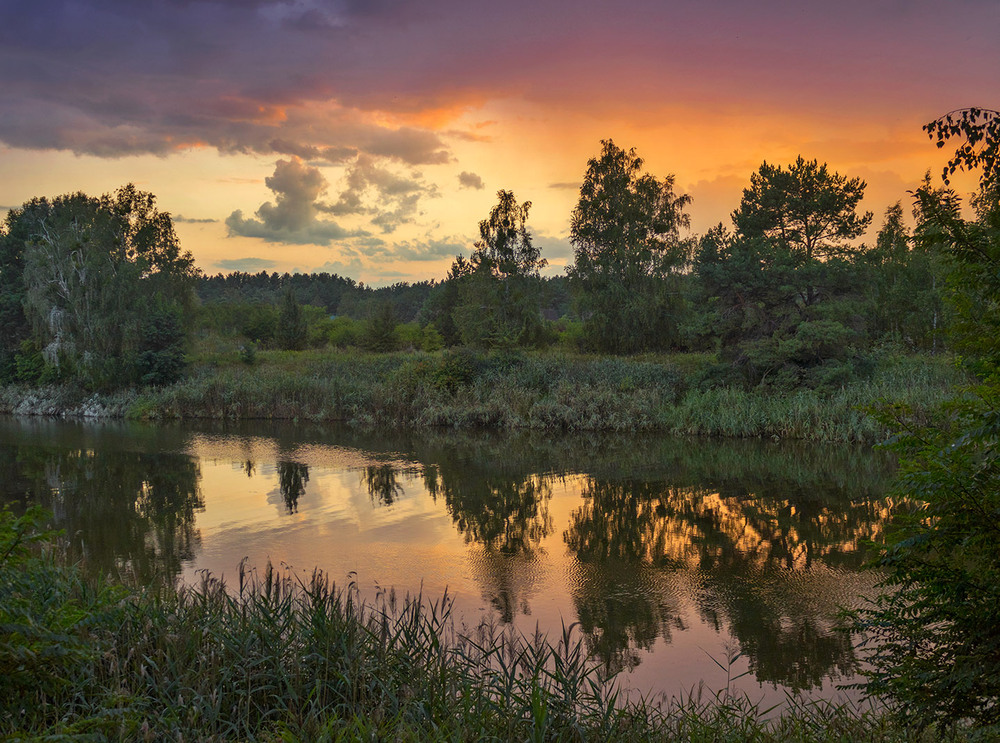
(919, 384)
(545, 391)
(279, 657)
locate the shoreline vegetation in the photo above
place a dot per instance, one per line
(283, 657)
(511, 390)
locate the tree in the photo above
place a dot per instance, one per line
(290, 331)
(934, 632)
(902, 282)
(625, 230)
(980, 130)
(805, 208)
(87, 271)
(499, 287)
(785, 288)
(380, 328)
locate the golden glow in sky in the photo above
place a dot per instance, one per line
(369, 138)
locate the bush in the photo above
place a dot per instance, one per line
(47, 612)
(343, 332)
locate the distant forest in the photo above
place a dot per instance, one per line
(341, 296)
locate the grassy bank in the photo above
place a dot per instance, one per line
(278, 657)
(514, 390)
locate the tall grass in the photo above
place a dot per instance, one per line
(282, 657)
(511, 391)
(919, 383)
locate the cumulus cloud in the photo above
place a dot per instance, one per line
(388, 198)
(470, 180)
(292, 217)
(247, 265)
(415, 250)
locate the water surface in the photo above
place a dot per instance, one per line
(672, 554)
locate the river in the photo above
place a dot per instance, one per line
(685, 562)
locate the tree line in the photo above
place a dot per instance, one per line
(98, 290)
(787, 292)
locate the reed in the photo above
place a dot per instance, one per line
(282, 656)
(511, 390)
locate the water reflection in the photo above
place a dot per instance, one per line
(292, 479)
(754, 545)
(124, 512)
(646, 538)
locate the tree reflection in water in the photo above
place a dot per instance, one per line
(292, 479)
(759, 541)
(505, 513)
(125, 512)
(764, 558)
(383, 482)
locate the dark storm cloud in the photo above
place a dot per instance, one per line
(114, 78)
(313, 78)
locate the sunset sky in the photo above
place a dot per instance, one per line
(368, 138)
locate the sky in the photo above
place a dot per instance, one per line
(369, 137)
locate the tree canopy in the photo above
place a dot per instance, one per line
(806, 208)
(934, 632)
(101, 283)
(499, 291)
(625, 231)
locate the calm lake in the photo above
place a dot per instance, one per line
(672, 554)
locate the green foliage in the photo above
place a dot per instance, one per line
(430, 339)
(903, 280)
(806, 208)
(282, 657)
(30, 366)
(783, 294)
(439, 309)
(776, 313)
(48, 616)
(291, 330)
(498, 302)
(934, 633)
(161, 357)
(380, 329)
(980, 130)
(84, 270)
(248, 353)
(625, 231)
(343, 332)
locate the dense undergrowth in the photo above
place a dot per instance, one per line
(673, 394)
(280, 657)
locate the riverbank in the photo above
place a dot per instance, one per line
(464, 389)
(278, 656)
